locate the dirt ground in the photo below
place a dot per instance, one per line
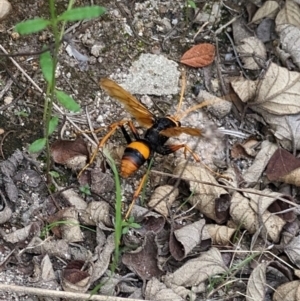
(231, 247)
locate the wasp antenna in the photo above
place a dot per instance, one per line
(183, 86)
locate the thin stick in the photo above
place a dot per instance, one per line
(57, 294)
(183, 86)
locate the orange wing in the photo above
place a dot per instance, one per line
(176, 131)
(143, 116)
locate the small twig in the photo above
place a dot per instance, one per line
(218, 62)
(236, 55)
(219, 30)
(201, 28)
(26, 53)
(90, 125)
(35, 291)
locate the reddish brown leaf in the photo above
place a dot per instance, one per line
(280, 164)
(74, 153)
(199, 55)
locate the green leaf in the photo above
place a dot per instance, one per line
(37, 145)
(31, 26)
(46, 63)
(53, 124)
(54, 174)
(192, 4)
(67, 101)
(82, 13)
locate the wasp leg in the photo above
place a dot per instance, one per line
(133, 130)
(135, 196)
(113, 127)
(169, 149)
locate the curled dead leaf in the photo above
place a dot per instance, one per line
(254, 172)
(277, 93)
(289, 291)
(162, 199)
(253, 215)
(268, 10)
(95, 213)
(156, 290)
(285, 167)
(212, 201)
(256, 287)
(68, 225)
(292, 250)
(74, 279)
(290, 42)
(187, 238)
(5, 8)
(220, 235)
(143, 260)
(199, 55)
(197, 270)
(74, 154)
(289, 14)
(245, 88)
(253, 53)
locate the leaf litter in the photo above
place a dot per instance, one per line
(195, 235)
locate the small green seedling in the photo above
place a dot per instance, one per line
(85, 189)
(48, 63)
(129, 224)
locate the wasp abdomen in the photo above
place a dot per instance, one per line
(135, 155)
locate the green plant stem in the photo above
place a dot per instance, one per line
(49, 100)
(118, 207)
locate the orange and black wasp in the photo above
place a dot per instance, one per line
(158, 131)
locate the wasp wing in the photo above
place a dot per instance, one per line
(176, 131)
(143, 116)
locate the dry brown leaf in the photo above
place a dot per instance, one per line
(5, 8)
(158, 291)
(189, 237)
(278, 93)
(220, 235)
(103, 257)
(143, 261)
(289, 14)
(33, 229)
(281, 164)
(289, 291)
(268, 10)
(74, 279)
(59, 248)
(95, 213)
(254, 172)
(290, 41)
(246, 149)
(199, 55)
(292, 250)
(245, 88)
(286, 129)
(197, 270)
(205, 198)
(252, 46)
(256, 287)
(73, 154)
(162, 199)
(70, 229)
(252, 213)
